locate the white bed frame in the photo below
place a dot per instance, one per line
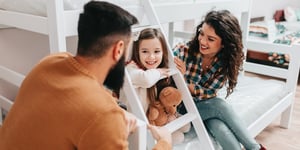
(283, 107)
(59, 24)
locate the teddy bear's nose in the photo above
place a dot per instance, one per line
(174, 105)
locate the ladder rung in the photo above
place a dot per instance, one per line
(11, 76)
(5, 103)
(184, 35)
(180, 122)
(173, 72)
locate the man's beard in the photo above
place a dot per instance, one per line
(115, 77)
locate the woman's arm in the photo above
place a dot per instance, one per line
(201, 91)
(209, 90)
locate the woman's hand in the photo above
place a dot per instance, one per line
(191, 88)
(180, 65)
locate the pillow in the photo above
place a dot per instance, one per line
(279, 15)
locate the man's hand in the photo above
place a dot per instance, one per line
(161, 133)
(130, 121)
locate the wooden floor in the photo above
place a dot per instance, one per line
(277, 138)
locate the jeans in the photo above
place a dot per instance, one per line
(224, 125)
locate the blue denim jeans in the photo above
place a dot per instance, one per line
(224, 125)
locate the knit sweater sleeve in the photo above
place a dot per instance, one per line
(143, 78)
(107, 131)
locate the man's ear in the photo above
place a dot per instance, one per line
(119, 50)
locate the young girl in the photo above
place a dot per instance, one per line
(148, 65)
(148, 70)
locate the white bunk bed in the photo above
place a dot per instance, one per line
(59, 23)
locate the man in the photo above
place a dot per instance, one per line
(64, 104)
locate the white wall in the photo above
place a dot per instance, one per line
(20, 50)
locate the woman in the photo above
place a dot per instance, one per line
(212, 59)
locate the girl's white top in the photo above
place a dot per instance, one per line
(141, 80)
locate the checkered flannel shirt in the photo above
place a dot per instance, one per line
(206, 84)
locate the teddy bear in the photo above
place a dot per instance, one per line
(164, 111)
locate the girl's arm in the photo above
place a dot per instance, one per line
(144, 78)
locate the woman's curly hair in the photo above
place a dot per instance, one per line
(227, 27)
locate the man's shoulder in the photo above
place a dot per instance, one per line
(55, 56)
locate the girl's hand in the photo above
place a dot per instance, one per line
(164, 72)
(180, 65)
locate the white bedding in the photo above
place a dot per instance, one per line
(38, 7)
(253, 97)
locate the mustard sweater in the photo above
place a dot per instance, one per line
(61, 106)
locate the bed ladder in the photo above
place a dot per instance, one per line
(192, 115)
(12, 78)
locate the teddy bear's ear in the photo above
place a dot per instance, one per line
(168, 91)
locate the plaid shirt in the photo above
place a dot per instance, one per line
(206, 84)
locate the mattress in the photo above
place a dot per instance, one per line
(252, 97)
(39, 7)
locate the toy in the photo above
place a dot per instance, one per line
(164, 111)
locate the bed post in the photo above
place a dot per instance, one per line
(244, 23)
(293, 72)
(56, 31)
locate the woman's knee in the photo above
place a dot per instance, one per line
(221, 104)
(214, 108)
(219, 130)
(217, 127)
